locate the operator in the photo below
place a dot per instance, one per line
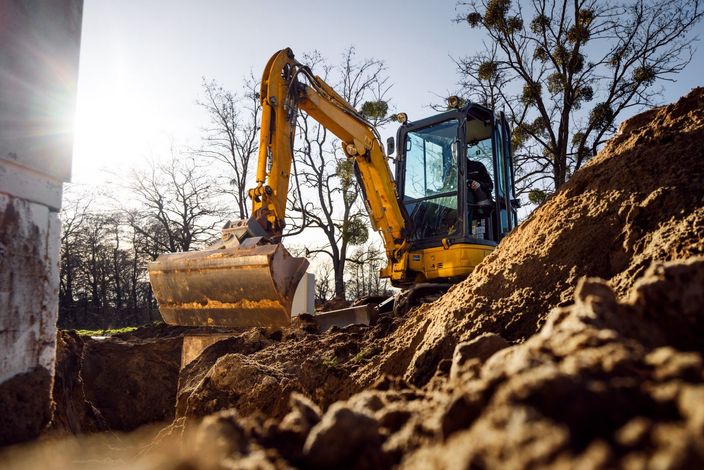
(479, 182)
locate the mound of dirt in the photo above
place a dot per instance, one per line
(603, 384)
(121, 382)
(256, 372)
(640, 200)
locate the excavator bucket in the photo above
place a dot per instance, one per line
(233, 285)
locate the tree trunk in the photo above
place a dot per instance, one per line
(339, 281)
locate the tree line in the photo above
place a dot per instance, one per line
(108, 238)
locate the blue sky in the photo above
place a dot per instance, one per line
(142, 62)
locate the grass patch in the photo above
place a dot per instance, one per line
(363, 355)
(330, 361)
(106, 332)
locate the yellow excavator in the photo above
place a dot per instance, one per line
(451, 202)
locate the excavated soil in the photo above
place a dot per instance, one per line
(640, 200)
(577, 343)
(114, 383)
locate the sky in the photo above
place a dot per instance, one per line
(142, 63)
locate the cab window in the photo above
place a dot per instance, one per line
(431, 180)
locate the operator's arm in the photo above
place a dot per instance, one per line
(476, 171)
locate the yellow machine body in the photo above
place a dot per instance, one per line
(446, 263)
(249, 279)
(437, 263)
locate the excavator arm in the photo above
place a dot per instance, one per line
(248, 278)
(283, 92)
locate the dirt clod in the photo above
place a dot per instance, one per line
(477, 350)
(344, 438)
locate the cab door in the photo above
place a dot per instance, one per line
(504, 183)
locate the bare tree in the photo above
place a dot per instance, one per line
(178, 207)
(363, 269)
(565, 71)
(323, 279)
(97, 261)
(74, 214)
(325, 173)
(232, 137)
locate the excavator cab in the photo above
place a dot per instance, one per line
(452, 226)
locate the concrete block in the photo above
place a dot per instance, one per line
(29, 291)
(304, 298)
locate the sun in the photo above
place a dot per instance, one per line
(112, 122)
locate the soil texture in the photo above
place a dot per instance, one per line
(576, 344)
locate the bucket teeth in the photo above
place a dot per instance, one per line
(245, 286)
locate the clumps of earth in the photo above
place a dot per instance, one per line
(577, 343)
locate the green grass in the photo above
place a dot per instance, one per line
(330, 361)
(363, 355)
(106, 332)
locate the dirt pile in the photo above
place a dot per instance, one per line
(121, 382)
(256, 371)
(640, 200)
(114, 383)
(604, 384)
